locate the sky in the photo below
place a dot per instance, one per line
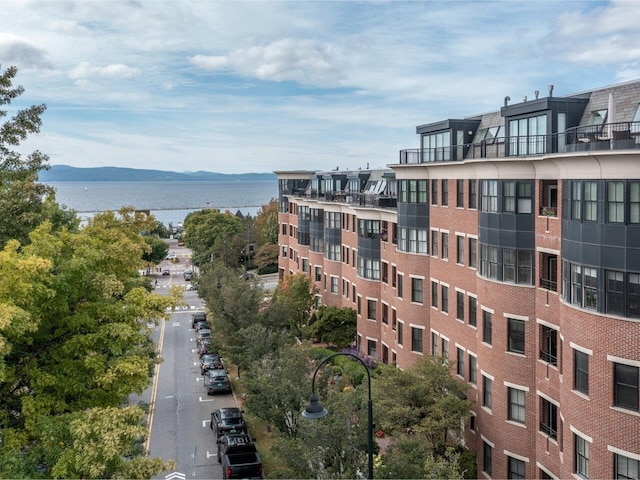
(263, 86)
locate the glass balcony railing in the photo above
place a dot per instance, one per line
(609, 136)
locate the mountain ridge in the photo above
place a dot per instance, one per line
(67, 173)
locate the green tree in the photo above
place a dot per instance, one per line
(25, 203)
(292, 303)
(266, 255)
(266, 224)
(333, 326)
(210, 233)
(277, 386)
(411, 457)
(428, 400)
(73, 333)
(157, 250)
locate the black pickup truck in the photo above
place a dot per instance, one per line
(239, 457)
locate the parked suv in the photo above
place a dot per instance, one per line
(210, 361)
(217, 381)
(198, 317)
(228, 420)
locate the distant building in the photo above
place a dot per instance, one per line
(509, 243)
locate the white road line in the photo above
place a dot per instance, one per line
(207, 400)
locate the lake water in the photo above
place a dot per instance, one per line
(169, 202)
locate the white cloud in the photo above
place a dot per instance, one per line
(84, 71)
(307, 62)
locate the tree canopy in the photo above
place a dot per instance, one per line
(74, 335)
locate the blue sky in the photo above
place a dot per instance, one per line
(234, 87)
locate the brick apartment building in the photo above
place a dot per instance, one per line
(508, 242)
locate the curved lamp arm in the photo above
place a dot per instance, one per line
(316, 410)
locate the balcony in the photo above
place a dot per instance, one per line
(610, 136)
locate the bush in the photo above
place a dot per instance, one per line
(268, 269)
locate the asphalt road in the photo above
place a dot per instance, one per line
(181, 409)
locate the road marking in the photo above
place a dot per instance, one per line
(204, 423)
(214, 454)
(154, 388)
(207, 400)
(176, 476)
(175, 324)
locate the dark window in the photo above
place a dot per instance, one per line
(371, 309)
(434, 243)
(416, 290)
(400, 339)
(548, 418)
(434, 192)
(489, 261)
(515, 335)
(473, 252)
(516, 468)
(371, 348)
(434, 294)
(394, 319)
(625, 378)
(445, 299)
(473, 369)
(434, 343)
(473, 311)
(460, 249)
(473, 194)
(460, 362)
(486, 457)
(385, 272)
(399, 290)
(393, 276)
(576, 200)
(459, 193)
(445, 245)
(549, 345)
(460, 306)
(487, 321)
(615, 292)
(516, 405)
(416, 339)
(581, 372)
(445, 192)
(486, 392)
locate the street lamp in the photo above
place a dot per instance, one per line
(315, 409)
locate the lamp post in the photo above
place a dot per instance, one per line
(315, 409)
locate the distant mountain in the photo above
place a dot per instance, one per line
(66, 173)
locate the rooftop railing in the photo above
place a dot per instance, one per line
(610, 136)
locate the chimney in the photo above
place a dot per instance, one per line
(537, 92)
(507, 100)
(551, 90)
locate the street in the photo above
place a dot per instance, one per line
(181, 409)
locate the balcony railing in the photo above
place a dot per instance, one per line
(549, 284)
(610, 136)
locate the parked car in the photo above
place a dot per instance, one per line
(202, 334)
(205, 346)
(239, 457)
(202, 325)
(188, 275)
(210, 361)
(166, 271)
(217, 381)
(227, 420)
(198, 317)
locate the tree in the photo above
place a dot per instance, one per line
(266, 255)
(427, 400)
(277, 386)
(210, 233)
(333, 326)
(157, 250)
(411, 457)
(292, 302)
(266, 224)
(74, 334)
(24, 202)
